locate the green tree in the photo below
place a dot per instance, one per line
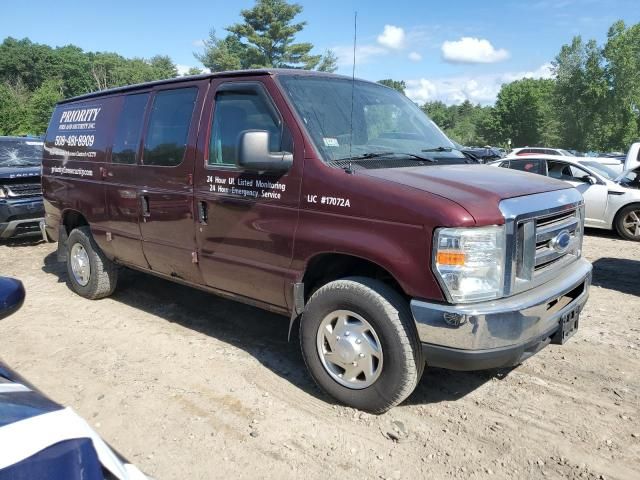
(265, 39)
(224, 54)
(328, 63)
(622, 56)
(25, 62)
(463, 123)
(41, 103)
(580, 94)
(439, 113)
(73, 68)
(13, 108)
(520, 112)
(194, 71)
(398, 85)
(163, 67)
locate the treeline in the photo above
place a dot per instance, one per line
(591, 103)
(33, 77)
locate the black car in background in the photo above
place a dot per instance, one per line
(21, 208)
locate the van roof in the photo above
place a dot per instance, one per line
(231, 73)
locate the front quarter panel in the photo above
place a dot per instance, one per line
(383, 222)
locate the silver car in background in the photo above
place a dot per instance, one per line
(610, 200)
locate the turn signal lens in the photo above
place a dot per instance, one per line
(450, 258)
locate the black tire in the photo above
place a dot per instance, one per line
(103, 275)
(621, 217)
(388, 313)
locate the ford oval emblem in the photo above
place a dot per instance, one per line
(560, 243)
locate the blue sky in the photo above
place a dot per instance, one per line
(448, 50)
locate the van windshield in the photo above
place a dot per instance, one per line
(386, 125)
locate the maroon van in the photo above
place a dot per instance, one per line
(335, 202)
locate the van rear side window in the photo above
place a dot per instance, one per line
(166, 136)
(125, 145)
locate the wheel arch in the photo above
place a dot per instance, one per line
(326, 267)
(69, 220)
(614, 223)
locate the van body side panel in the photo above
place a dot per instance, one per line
(76, 149)
(168, 229)
(123, 209)
(246, 243)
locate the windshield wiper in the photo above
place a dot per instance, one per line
(368, 155)
(437, 149)
(469, 155)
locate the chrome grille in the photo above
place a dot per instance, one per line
(547, 228)
(23, 189)
(537, 228)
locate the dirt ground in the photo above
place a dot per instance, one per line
(187, 385)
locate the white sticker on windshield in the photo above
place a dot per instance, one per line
(330, 142)
(39, 144)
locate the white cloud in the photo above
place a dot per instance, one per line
(481, 89)
(198, 43)
(364, 54)
(472, 50)
(184, 69)
(392, 37)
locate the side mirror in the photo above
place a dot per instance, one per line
(590, 179)
(254, 154)
(11, 296)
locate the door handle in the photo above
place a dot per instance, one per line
(203, 212)
(144, 200)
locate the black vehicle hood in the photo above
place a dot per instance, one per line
(20, 172)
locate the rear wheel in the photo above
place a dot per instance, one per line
(91, 274)
(360, 344)
(628, 223)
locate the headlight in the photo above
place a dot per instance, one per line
(3, 194)
(469, 262)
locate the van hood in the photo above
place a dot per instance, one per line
(477, 188)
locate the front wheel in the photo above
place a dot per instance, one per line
(360, 344)
(91, 274)
(628, 223)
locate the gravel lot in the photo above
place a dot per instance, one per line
(187, 385)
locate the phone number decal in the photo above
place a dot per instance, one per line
(74, 140)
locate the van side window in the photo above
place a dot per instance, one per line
(234, 113)
(127, 139)
(166, 137)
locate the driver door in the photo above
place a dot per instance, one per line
(246, 220)
(595, 195)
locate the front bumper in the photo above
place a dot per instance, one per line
(499, 333)
(20, 218)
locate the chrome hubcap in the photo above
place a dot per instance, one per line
(349, 349)
(631, 223)
(80, 266)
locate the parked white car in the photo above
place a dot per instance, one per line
(609, 204)
(614, 164)
(541, 151)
